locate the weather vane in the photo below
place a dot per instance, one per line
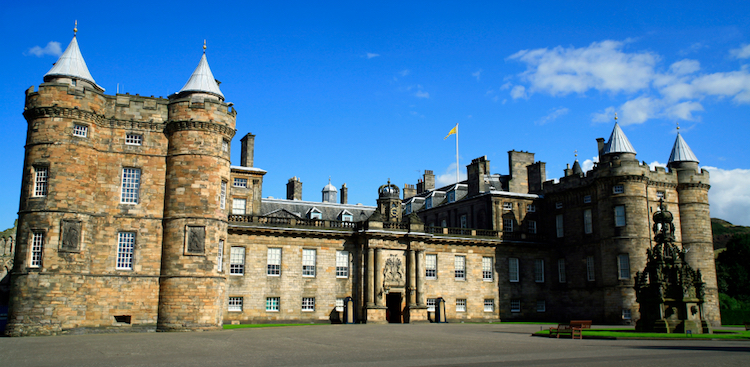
(204, 46)
(75, 28)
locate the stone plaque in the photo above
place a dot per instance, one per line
(196, 240)
(393, 272)
(70, 236)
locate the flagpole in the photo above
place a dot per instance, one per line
(457, 166)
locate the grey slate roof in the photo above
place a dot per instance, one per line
(681, 152)
(618, 142)
(202, 80)
(299, 209)
(71, 64)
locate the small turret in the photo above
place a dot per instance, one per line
(71, 67)
(329, 193)
(618, 147)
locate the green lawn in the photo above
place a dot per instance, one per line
(625, 333)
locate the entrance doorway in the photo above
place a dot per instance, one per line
(393, 302)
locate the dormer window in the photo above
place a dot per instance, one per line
(314, 213)
(407, 209)
(451, 196)
(346, 216)
(428, 203)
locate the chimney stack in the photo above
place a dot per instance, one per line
(294, 189)
(344, 194)
(248, 149)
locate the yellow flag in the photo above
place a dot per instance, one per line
(453, 131)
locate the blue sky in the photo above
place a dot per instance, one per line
(366, 93)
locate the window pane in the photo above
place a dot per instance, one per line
(308, 304)
(133, 139)
(131, 182)
(539, 271)
(220, 257)
(125, 245)
(41, 177)
(431, 266)
(240, 182)
(37, 243)
(619, 216)
(238, 206)
(274, 262)
(559, 226)
(461, 305)
(561, 270)
(590, 269)
(487, 270)
(513, 269)
(489, 305)
(237, 261)
(515, 305)
(342, 264)
(235, 304)
(431, 304)
(460, 267)
(308, 262)
(272, 304)
(623, 262)
(587, 221)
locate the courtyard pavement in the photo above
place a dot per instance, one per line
(365, 345)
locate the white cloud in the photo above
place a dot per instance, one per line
(695, 47)
(52, 48)
(422, 94)
(404, 72)
(449, 176)
(655, 164)
(371, 55)
(588, 164)
(730, 195)
(552, 116)
(741, 53)
(477, 74)
(505, 86)
(518, 91)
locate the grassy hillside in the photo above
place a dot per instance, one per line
(724, 231)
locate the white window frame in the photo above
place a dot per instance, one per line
(559, 226)
(273, 261)
(239, 206)
(220, 257)
(587, 199)
(459, 263)
(339, 304)
(515, 305)
(541, 306)
(561, 271)
(487, 268)
(41, 181)
(559, 205)
(507, 206)
(489, 305)
(460, 304)
(235, 304)
(81, 131)
(626, 314)
(224, 145)
(661, 195)
(513, 270)
(532, 227)
(315, 213)
(530, 208)
(431, 302)
(507, 225)
(125, 250)
(273, 304)
(451, 196)
(223, 195)
(430, 268)
(133, 139)
(308, 304)
(620, 220)
(539, 270)
(590, 269)
(308, 262)
(240, 182)
(130, 185)
(428, 203)
(237, 260)
(342, 264)
(37, 248)
(623, 266)
(618, 189)
(588, 224)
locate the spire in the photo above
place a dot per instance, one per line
(681, 152)
(577, 166)
(618, 142)
(202, 79)
(71, 64)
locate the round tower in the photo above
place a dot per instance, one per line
(199, 128)
(695, 222)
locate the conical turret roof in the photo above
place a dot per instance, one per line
(202, 80)
(71, 64)
(577, 168)
(618, 142)
(681, 152)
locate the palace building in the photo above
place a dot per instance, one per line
(133, 218)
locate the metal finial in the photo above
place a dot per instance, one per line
(576, 152)
(678, 126)
(75, 28)
(615, 116)
(204, 46)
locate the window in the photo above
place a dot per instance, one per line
(659, 195)
(235, 304)
(224, 146)
(559, 226)
(539, 271)
(515, 305)
(345, 216)
(530, 208)
(342, 264)
(272, 304)
(125, 245)
(238, 206)
(587, 222)
(37, 243)
(541, 306)
(308, 304)
(240, 182)
(587, 199)
(460, 267)
(489, 305)
(590, 269)
(507, 225)
(431, 304)
(618, 189)
(223, 195)
(444, 223)
(464, 223)
(428, 203)
(487, 269)
(407, 209)
(237, 261)
(507, 206)
(626, 314)
(430, 266)
(133, 139)
(461, 305)
(623, 266)
(620, 216)
(340, 304)
(513, 269)
(314, 213)
(308, 263)
(80, 130)
(131, 182)
(220, 257)
(532, 227)
(451, 196)
(41, 180)
(561, 270)
(273, 263)
(558, 205)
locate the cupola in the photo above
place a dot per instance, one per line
(202, 80)
(71, 67)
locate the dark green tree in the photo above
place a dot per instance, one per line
(733, 269)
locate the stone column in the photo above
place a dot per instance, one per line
(370, 277)
(420, 277)
(378, 275)
(412, 279)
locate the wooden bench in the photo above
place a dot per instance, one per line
(574, 328)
